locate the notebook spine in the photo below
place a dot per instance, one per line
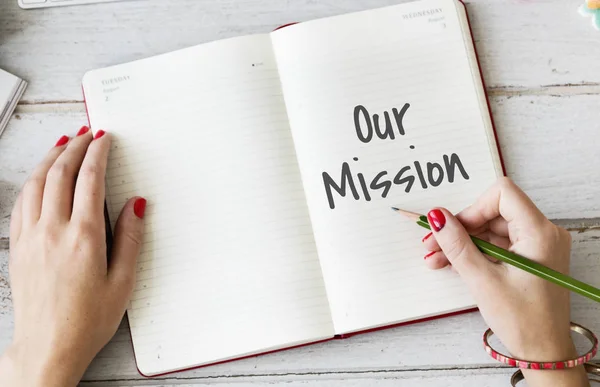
(487, 98)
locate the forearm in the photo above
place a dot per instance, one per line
(20, 368)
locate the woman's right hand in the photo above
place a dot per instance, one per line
(530, 316)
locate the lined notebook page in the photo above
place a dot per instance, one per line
(228, 265)
(413, 54)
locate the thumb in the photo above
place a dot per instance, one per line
(457, 245)
(127, 244)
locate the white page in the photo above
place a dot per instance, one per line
(414, 53)
(229, 264)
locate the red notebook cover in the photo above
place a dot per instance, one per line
(342, 336)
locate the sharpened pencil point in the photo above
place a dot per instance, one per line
(408, 214)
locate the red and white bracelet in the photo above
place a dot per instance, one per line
(524, 364)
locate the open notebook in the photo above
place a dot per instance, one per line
(11, 90)
(270, 163)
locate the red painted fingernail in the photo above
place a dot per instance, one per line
(426, 237)
(436, 219)
(99, 134)
(84, 129)
(139, 207)
(429, 255)
(62, 141)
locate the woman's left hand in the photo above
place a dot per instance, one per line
(68, 299)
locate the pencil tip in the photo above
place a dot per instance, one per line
(408, 214)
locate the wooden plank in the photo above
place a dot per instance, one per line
(521, 44)
(532, 43)
(6, 315)
(536, 51)
(440, 344)
(447, 378)
(24, 143)
(549, 146)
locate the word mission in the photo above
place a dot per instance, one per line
(371, 128)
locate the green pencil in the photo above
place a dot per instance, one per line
(523, 263)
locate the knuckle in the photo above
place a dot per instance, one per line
(89, 171)
(85, 234)
(554, 235)
(557, 243)
(60, 171)
(455, 249)
(128, 280)
(86, 228)
(133, 237)
(505, 182)
(51, 235)
(565, 235)
(550, 231)
(33, 184)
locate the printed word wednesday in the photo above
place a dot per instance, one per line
(368, 128)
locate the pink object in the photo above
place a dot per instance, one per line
(62, 141)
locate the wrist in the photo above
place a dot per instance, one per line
(541, 353)
(571, 377)
(554, 350)
(22, 365)
(558, 348)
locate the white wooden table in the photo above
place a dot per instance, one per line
(541, 62)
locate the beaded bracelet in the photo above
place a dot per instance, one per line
(545, 365)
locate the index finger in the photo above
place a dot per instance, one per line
(88, 201)
(505, 200)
